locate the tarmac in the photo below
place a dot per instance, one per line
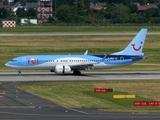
(75, 33)
(48, 76)
(18, 104)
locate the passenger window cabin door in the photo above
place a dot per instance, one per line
(23, 61)
(121, 60)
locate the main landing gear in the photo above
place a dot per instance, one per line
(19, 73)
(76, 72)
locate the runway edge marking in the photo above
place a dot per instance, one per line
(17, 106)
(77, 110)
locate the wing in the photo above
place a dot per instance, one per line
(82, 67)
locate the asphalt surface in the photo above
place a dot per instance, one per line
(75, 33)
(48, 76)
(18, 104)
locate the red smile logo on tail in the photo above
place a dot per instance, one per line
(136, 49)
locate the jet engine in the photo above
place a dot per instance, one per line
(62, 69)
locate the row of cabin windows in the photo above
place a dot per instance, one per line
(13, 60)
(75, 60)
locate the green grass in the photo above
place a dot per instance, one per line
(11, 47)
(118, 102)
(80, 94)
(23, 29)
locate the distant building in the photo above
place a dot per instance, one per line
(31, 5)
(148, 6)
(10, 1)
(8, 6)
(24, 21)
(98, 6)
(136, 4)
(142, 8)
(28, 21)
(16, 6)
(1, 4)
(44, 10)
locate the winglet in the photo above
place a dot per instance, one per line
(86, 52)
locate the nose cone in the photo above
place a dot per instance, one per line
(7, 65)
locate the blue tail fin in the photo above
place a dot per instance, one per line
(136, 45)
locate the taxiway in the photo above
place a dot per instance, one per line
(75, 33)
(18, 104)
(47, 76)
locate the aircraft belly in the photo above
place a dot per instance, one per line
(46, 66)
(106, 66)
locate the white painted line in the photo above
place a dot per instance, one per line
(75, 33)
(77, 110)
(6, 34)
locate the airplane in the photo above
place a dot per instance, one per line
(65, 64)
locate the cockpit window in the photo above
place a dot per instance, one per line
(13, 60)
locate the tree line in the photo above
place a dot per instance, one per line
(117, 11)
(78, 11)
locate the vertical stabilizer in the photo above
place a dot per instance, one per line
(136, 45)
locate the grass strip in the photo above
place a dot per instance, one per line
(80, 94)
(39, 29)
(11, 47)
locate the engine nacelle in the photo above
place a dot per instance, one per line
(62, 69)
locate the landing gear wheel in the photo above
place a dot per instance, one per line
(19, 73)
(76, 72)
